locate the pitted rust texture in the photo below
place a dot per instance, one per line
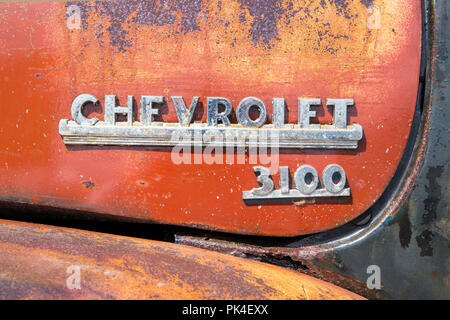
(367, 3)
(150, 13)
(301, 260)
(114, 267)
(265, 15)
(261, 19)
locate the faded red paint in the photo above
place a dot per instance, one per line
(209, 50)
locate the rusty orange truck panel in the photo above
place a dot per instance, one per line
(115, 267)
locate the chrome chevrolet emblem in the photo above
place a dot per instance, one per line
(147, 132)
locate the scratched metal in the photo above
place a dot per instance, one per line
(55, 51)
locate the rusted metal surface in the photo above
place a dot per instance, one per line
(35, 259)
(406, 232)
(304, 260)
(319, 49)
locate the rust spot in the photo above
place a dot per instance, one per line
(88, 184)
(340, 5)
(150, 13)
(143, 183)
(367, 3)
(265, 15)
(264, 19)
